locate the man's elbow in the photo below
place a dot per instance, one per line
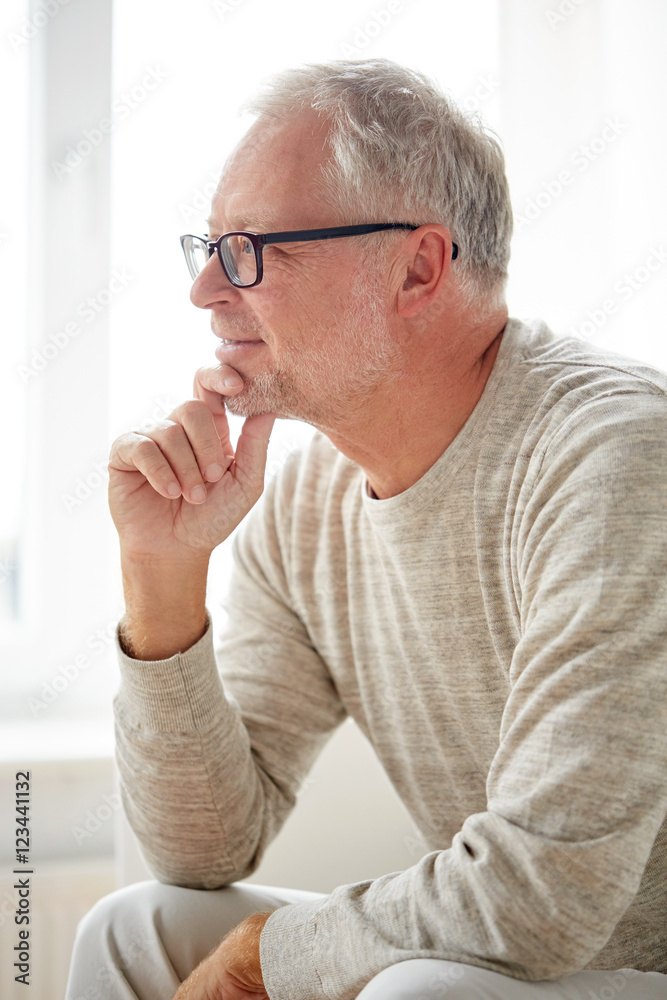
(211, 873)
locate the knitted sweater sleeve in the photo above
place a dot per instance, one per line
(213, 743)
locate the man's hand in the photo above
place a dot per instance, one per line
(232, 971)
(166, 540)
(214, 486)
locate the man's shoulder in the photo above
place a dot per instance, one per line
(570, 363)
(558, 385)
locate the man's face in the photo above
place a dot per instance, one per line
(319, 318)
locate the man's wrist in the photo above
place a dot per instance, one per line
(242, 947)
(144, 646)
(165, 606)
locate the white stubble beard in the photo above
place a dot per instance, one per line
(336, 381)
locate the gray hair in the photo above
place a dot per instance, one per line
(402, 151)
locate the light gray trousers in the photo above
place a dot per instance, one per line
(141, 942)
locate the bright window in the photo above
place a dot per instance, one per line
(57, 676)
(13, 318)
(112, 159)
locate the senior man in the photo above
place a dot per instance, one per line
(469, 558)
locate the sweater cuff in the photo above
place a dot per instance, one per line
(180, 693)
(286, 953)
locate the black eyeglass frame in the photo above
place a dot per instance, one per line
(295, 236)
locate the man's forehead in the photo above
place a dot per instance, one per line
(270, 176)
(242, 199)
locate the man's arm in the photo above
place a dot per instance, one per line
(204, 792)
(534, 886)
(210, 768)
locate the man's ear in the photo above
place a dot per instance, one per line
(425, 264)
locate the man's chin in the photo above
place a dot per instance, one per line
(256, 398)
(252, 405)
(244, 407)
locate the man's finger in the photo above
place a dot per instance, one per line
(208, 386)
(252, 445)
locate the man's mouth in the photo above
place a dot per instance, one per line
(226, 346)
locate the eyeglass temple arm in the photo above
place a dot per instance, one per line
(334, 232)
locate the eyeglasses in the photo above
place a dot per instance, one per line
(240, 253)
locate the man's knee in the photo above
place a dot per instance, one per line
(119, 918)
(124, 928)
(113, 908)
(423, 979)
(438, 979)
(113, 940)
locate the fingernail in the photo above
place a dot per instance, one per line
(232, 382)
(213, 471)
(198, 494)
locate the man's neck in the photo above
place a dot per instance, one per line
(410, 427)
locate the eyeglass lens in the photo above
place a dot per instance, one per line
(238, 255)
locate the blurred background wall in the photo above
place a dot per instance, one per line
(116, 119)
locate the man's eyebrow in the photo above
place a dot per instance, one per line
(257, 224)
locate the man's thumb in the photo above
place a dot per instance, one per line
(252, 444)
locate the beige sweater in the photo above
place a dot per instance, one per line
(498, 631)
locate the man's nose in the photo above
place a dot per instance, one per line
(211, 285)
